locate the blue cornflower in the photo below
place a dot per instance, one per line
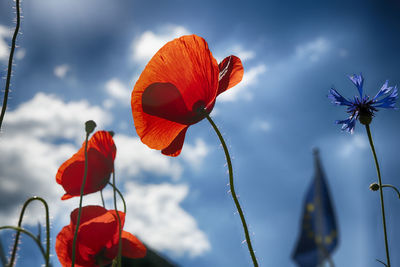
(363, 107)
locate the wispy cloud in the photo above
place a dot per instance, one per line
(61, 71)
(250, 78)
(313, 50)
(157, 217)
(148, 43)
(5, 33)
(118, 91)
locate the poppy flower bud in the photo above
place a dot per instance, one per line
(111, 133)
(89, 126)
(374, 187)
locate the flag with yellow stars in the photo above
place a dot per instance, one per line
(319, 232)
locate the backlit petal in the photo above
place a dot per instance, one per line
(230, 73)
(132, 247)
(174, 149)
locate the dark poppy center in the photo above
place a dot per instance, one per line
(164, 100)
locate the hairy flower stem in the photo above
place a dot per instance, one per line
(21, 216)
(120, 195)
(80, 202)
(232, 189)
(37, 241)
(119, 221)
(10, 63)
(380, 193)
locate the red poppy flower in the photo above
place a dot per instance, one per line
(101, 153)
(181, 78)
(97, 241)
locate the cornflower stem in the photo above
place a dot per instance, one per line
(232, 189)
(80, 203)
(10, 63)
(119, 221)
(37, 241)
(371, 142)
(21, 216)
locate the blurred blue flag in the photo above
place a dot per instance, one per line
(319, 233)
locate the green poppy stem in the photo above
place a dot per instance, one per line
(120, 195)
(37, 241)
(102, 198)
(21, 216)
(10, 63)
(119, 221)
(232, 189)
(80, 203)
(380, 192)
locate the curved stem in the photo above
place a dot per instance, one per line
(393, 187)
(80, 203)
(102, 198)
(380, 193)
(37, 241)
(120, 195)
(10, 62)
(119, 222)
(14, 251)
(232, 189)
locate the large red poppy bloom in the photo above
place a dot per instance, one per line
(97, 241)
(181, 79)
(101, 153)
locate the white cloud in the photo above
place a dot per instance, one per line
(155, 215)
(195, 154)
(243, 54)
(61, 71)
(149, 43)
(134, 158)
(313, 50)
(354, 143)
(250, 77)
(47, 116)
(118, 91)
(261, 125)
(20, 53)
(5, 33)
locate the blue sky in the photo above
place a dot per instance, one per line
(79, 60)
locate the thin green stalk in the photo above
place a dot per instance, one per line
(393, 187)
(10, 63)
(102, 198)
(120, 195)
(80, 203)
(232, 189)
(14, 251)
(119, 222)
(380, 193)
(37, 241)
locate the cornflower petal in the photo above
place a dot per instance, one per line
(384, 90)
(337, 98)
(358, 81)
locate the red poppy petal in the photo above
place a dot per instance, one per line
(132, 247)
(101, 155)
(188, 65)
(230, 73)
(63, 245)
(174, 149)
